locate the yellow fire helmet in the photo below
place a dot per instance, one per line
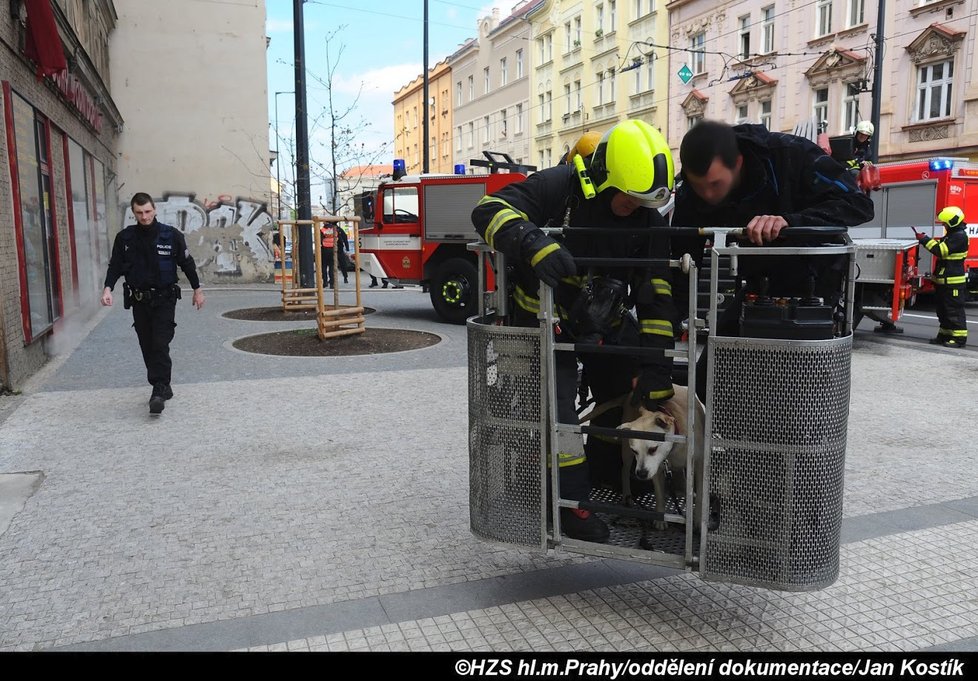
(633, 157)
(952, 216)
(584, 146)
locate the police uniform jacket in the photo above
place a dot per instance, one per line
(148, 258)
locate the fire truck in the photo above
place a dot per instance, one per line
(911, 193)
(416, 228)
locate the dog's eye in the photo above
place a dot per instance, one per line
(652, 450)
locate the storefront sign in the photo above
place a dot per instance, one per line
(73, 90)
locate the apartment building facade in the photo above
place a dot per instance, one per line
(491, 89)
(409, 110)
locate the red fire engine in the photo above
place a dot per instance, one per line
(911, 194)
(416, 229)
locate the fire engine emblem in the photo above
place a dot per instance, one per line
(406, 263)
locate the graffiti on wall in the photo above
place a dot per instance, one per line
(227, 237)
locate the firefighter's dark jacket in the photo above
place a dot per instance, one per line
(148, 257)
(782, 175)
(951, 250)
(505, 217)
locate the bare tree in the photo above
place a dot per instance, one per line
(345, 127)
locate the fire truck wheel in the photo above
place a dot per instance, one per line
(454, 290)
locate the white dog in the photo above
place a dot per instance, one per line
(649, 455)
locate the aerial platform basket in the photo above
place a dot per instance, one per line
(775, 426)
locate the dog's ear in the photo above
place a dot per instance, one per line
(665, 420)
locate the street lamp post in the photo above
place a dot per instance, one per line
(278, 161)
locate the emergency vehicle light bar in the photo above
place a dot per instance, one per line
(941, 163)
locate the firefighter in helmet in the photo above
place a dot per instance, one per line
(949, 277)
(861, 141)
(584, 147)
(629, 177)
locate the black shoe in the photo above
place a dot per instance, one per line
(952, 343)
(584, 525)
(385, 283)
(167, 392)
(373, 284)
(157, 401)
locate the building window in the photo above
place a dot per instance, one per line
(767, 29)
(611, 85)
(503, 124)
(40, 269)
(548, 47)
(599, 19)
(578, 96)
(693, 120)
(458, 93)
(519, 119)
(471, 135)
(697, 43)
(741, 116)
(820, 109)
(485, 78)
(600, 82)
(567, 99)
(458, 130)
(857, 12)
(548, 108)
(471, 88)
(486, 130)
(850, 107)
(823, 17)
(766, 113)
(519, 63)
(744, 41)
(650, 69)
(612, 15)
(577, 30)
(568, 38)
(934, 83)
(503, 74)
(638, 81)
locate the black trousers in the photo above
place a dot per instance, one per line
(327, 258)
(154, 323)
(950, 311)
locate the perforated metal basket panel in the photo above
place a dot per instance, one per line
(780, 411)
(505, 474)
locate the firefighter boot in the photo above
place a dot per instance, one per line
(167, 392)
(584, 525)
(157, 401)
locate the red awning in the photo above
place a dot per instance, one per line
(43, 44)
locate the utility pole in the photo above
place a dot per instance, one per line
(874, 116)
(303, 199)
(424, 127)
(278, 161)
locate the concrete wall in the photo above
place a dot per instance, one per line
(190, 79)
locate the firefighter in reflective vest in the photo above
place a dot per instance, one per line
(949, 277)
(327, 237)
(630, 175)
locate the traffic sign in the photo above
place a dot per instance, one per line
(685, 74)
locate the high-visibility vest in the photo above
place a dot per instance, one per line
(328, 235)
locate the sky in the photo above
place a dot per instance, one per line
(382, 43)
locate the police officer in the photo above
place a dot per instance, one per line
(631, 174)
(147, 255)
(950, 279)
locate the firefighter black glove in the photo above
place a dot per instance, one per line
(551, 262)
(652, 389)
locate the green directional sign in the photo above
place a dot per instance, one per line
(685, 74)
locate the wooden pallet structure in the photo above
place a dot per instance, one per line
(334, 320)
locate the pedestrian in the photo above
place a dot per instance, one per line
(342, 248)
(766, 182)
(630, 175)
(373, 281)
(327, 240)
(147, 254)
(949, 277)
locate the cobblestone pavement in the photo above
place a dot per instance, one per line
(322, 504)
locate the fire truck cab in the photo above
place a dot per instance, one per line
(416, 228)
(912, 193)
